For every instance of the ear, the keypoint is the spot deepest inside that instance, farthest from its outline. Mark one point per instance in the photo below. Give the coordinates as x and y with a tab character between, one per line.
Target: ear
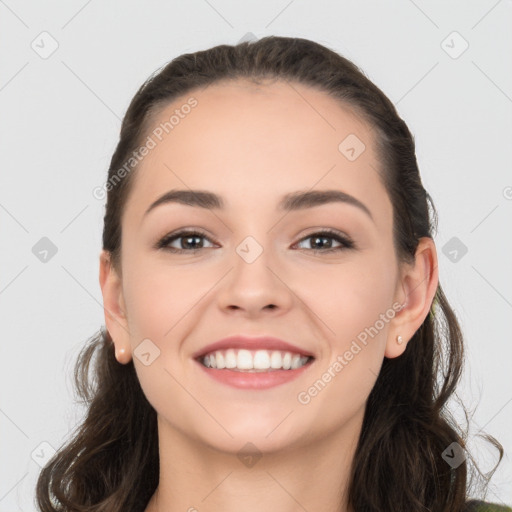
114	308
415	291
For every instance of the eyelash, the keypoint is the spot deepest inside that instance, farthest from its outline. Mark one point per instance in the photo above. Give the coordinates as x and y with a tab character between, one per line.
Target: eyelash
346	242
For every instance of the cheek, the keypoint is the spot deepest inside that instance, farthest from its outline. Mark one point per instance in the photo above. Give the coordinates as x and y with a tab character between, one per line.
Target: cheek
355	309
159	297
349	297
161	301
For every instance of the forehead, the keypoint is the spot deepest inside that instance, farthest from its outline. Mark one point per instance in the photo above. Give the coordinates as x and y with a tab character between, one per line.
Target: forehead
253	142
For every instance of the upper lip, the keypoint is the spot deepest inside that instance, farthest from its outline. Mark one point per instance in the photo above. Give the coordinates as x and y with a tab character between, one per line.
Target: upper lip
251	343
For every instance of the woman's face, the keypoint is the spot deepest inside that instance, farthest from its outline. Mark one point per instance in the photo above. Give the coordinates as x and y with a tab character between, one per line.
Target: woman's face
253	271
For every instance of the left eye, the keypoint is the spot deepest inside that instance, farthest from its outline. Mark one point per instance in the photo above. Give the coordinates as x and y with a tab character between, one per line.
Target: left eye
191	241
345	242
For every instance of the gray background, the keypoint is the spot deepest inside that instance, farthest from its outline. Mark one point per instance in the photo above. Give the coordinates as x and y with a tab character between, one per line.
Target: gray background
59	126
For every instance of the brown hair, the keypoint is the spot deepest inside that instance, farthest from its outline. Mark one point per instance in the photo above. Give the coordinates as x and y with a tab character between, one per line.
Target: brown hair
111	461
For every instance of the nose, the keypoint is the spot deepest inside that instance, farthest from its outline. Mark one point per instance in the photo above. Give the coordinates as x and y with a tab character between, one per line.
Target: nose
253	287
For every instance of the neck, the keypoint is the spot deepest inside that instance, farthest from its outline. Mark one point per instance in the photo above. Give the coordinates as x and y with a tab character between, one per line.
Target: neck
196	477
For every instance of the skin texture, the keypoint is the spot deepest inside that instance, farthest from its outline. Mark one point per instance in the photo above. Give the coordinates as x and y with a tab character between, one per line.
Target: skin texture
251	145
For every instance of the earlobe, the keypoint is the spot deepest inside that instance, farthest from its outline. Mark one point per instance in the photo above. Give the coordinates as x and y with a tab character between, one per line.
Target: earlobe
121	355
114	308
419	283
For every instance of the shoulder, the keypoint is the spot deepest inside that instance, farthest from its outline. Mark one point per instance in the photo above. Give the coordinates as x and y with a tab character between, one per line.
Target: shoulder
485	506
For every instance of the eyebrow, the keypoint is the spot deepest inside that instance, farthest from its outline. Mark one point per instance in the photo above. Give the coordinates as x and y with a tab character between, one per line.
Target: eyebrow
290	202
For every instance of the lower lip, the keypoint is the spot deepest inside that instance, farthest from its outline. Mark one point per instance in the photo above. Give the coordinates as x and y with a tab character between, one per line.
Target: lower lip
254	380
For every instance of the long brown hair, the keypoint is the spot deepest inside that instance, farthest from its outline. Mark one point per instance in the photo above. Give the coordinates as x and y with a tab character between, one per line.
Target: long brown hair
111	462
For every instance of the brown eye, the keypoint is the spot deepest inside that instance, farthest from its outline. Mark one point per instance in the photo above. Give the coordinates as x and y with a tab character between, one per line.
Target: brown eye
192	241
188	241
319	245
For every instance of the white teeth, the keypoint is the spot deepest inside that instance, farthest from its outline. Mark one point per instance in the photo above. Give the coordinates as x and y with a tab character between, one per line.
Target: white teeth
219	360
295	362
244	360
261	360
276	360
254	361
230	358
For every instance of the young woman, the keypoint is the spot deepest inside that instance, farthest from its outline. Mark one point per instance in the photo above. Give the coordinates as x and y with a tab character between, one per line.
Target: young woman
277	338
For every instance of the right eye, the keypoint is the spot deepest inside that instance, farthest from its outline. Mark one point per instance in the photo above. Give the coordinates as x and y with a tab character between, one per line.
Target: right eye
188	238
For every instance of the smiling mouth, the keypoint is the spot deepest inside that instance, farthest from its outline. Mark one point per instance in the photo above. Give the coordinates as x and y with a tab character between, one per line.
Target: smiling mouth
254	361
